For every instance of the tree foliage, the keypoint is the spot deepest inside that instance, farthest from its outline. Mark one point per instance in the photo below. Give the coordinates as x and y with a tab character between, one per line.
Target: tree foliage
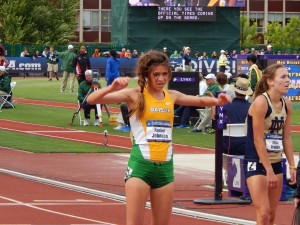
38	21
287	37
248	35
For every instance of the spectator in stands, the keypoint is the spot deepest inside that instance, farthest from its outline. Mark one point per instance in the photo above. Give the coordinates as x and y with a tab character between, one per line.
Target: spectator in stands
269	50
52	60
122	54
86	87
262	51
112	67
37	54
196	54
45	52
187	59
128	54
236	112
135	54
214	55
212	88
81	64
5	80
204	56
255	73
165	50
233	55
227	54
175	55
96	53
67	68
25	53
222	61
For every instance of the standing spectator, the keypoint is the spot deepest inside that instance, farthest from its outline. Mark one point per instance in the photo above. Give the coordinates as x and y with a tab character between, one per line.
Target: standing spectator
255	73
222	61
204	56
52	60
67	68
85	88
187	60
269	50
112	67
122	54
96	53
165	50
81	64
150	169
45	52
135	54
268	137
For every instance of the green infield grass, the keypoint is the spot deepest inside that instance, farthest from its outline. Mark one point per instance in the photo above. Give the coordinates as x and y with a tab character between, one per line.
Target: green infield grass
42	89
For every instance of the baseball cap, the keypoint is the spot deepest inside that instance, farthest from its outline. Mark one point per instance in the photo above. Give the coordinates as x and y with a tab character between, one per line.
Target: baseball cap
222	51
165	47
70	47
269	46
228	75
210	76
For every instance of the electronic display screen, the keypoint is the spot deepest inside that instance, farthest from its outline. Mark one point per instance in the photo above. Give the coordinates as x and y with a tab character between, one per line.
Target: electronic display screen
191	3
183	13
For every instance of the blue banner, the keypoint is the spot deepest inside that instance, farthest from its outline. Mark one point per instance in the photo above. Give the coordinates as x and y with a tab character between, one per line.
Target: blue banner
291	62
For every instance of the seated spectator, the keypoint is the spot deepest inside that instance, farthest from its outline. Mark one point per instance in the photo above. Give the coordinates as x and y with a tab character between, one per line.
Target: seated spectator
212	88
185	111
37	54
96	53
236	113
85	88
5	80
25	53
128	54
135	54
175	55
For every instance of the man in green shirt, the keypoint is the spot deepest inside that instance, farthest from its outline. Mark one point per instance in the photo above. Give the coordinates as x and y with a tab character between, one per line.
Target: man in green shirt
212	88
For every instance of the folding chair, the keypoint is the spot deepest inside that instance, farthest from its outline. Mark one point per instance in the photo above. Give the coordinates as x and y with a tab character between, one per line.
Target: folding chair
201	115
4	98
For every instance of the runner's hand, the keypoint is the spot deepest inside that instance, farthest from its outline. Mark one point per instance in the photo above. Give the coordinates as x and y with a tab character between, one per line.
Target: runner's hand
223	99
120	83
272	179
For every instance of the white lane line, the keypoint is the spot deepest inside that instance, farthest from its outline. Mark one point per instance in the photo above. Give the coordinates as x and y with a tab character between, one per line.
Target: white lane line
54	212
75	200
63	204
57	131
177	211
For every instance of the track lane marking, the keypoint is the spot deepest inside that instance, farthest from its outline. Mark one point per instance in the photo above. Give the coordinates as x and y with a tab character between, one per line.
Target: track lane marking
54	212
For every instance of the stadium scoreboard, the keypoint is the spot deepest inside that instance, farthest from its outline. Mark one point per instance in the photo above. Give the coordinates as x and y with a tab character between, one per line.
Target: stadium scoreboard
185	13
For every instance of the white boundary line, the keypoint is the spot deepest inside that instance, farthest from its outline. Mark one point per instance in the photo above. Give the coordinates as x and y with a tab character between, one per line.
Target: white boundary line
119	198
54	212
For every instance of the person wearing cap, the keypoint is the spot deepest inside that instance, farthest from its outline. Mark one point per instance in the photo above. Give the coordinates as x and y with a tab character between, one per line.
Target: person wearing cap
68	57
187	59
165	50
212	88
85	88
5	80
236	112
255	73
269	50
222	61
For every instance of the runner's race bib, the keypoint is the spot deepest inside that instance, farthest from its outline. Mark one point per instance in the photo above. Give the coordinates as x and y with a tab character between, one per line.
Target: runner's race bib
274	142
158	131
